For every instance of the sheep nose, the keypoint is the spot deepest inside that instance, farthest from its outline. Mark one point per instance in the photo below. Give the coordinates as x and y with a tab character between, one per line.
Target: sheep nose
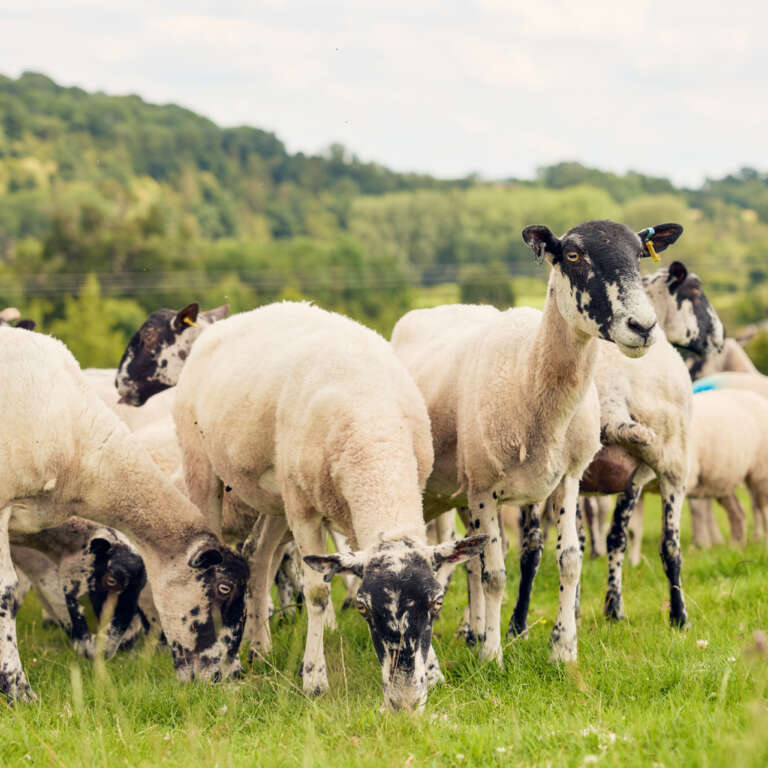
639	329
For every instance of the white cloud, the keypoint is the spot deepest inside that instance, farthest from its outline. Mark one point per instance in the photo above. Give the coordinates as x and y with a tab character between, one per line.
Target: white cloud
498	86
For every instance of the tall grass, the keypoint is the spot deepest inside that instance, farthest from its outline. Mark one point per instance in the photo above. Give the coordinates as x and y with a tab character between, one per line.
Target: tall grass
641	693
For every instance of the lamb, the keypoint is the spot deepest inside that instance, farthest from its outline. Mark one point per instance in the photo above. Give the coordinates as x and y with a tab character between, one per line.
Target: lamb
320	422
64	453
514	409
80	558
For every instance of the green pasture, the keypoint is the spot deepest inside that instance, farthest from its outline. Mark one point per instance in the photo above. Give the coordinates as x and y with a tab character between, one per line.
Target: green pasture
641	693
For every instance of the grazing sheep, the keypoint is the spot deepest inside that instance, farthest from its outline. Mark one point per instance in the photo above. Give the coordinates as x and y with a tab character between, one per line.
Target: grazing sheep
304	412
514	410
80	558
645	414
64	453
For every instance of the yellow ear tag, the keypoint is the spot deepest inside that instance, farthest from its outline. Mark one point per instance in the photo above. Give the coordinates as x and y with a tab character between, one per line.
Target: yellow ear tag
655	256
195	325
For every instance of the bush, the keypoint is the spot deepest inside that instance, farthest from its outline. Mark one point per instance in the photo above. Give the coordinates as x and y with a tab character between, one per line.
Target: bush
486	285
757	349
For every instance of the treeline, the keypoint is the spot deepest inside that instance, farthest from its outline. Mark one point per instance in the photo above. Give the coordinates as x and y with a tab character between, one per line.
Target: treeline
161	206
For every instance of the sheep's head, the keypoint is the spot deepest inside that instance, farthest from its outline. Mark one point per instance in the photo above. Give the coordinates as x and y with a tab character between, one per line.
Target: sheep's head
684	311
400	598
107	568
115	583
200	598
596	280
155	355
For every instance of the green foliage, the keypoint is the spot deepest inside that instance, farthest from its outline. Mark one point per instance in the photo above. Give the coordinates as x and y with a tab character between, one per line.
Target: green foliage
165	207
757	349
95	329
486	285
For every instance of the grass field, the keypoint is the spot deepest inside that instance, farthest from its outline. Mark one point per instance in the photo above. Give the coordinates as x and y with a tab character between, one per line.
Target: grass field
641	693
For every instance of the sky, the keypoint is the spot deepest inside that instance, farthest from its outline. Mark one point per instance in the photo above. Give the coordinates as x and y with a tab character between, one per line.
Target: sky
495	87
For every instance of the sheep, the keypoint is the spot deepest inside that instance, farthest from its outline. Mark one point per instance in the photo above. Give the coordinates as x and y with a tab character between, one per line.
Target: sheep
514	409
80	558
64	453
645	414
102	381
11	316
307	414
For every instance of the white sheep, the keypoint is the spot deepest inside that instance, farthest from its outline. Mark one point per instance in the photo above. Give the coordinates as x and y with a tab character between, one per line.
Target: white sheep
514	409
64	453
293	409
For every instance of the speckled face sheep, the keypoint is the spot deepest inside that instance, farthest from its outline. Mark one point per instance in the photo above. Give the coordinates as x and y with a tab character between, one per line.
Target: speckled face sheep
328	426
155	355
64	453
87	559
513	406
684	312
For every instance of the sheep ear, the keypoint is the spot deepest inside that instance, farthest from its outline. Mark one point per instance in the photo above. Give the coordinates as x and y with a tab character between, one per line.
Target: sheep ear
216	314
661	236
205	558
339	562
458	551
676	275
185	317
99	546
542	242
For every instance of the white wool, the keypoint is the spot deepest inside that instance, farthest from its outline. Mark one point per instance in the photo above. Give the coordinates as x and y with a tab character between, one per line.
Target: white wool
55	428
102	381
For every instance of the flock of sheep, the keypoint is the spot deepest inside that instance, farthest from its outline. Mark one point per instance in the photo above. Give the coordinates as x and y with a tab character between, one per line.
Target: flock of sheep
273	428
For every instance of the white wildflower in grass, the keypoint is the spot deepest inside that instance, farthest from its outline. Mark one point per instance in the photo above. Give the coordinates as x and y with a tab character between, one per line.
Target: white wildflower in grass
702	643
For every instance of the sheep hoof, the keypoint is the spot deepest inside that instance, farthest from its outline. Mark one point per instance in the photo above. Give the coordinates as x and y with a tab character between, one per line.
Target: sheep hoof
564	652
614	609
489	655
636	434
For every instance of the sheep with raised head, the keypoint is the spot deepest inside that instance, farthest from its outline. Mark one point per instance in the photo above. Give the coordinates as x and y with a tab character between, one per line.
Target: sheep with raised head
64	453
514	409
303	412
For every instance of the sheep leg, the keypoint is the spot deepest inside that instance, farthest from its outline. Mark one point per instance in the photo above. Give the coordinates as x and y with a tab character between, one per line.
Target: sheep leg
473	626
565	501
736	518
444	529
309	533
267	536
672	495
636	532
288	591
530	557
617	540
13	681
758	513
581	533
701	511
483	511
589	512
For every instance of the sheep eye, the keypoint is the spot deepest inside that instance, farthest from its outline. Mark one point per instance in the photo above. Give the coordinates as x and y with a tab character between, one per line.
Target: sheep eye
110	580
362	609
224	589
573	256
436	605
